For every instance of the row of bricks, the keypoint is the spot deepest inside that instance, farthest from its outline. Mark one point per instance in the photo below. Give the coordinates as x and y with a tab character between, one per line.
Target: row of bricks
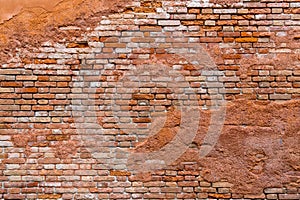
145	196
12	74
159	105
200	87
61	90
70	194
210	20
62	81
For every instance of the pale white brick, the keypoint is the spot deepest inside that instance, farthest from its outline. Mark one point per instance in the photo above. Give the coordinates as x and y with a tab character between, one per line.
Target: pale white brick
169	22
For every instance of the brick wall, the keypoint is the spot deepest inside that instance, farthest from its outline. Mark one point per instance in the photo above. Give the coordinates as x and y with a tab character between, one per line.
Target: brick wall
206	91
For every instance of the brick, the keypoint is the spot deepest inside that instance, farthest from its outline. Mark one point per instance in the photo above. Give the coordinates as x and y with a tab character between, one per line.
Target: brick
26	78
13	71
254	5
143	96
6	144
210	23
210	40
220	196
57	137
272	196
202	195
7	90
49	196
14	196
279	5
255	196
169	22
45	61
60	78
26	90
194	11
151	28
289	196
60	90
142	40
11	84
222	11
192	22
47	107
15	161
246	40
292	4
280	96
119	173
9	107
222	184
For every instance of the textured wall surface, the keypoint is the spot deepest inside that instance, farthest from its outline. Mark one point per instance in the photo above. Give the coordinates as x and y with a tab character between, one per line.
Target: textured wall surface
150	99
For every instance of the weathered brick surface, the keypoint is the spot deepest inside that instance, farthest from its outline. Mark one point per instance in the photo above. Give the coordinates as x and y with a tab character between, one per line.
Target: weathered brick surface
57	95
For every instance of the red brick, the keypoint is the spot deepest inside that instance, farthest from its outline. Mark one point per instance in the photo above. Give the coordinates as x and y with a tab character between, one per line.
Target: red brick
11	84
9	107
35	107
210	40
119	173
151	28
26	90
44	96
143	96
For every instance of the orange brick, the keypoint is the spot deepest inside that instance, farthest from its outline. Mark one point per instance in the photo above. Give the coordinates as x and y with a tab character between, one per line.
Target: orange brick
119	173
232	56
220	196
246	40
45	61
141	120
192	22
57	137
43	78
49	196
78	45
194	11
11	84
42	107
228	40
143	96
227	22
210	40
109	39
144	10
26	90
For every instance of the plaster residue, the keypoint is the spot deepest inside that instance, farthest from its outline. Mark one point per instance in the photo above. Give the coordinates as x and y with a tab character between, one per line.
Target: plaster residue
258	147
30	22
9	9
